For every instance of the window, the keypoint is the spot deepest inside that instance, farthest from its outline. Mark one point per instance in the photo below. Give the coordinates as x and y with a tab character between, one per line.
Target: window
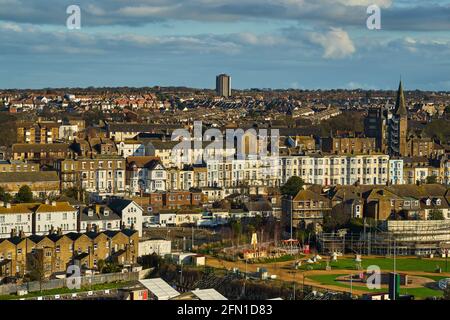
65	216
19	218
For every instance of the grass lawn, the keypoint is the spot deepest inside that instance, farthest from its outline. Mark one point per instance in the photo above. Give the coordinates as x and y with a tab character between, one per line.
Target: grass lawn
419	293
402	264
95	287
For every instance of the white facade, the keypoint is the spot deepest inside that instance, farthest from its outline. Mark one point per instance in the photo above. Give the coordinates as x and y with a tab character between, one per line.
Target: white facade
132	216
131	149
167	219
322	170
338	170
160	247
55	215
68	132
156	179
15	217
396	171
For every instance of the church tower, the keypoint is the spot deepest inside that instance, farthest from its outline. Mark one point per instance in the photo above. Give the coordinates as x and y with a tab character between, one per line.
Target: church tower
398	126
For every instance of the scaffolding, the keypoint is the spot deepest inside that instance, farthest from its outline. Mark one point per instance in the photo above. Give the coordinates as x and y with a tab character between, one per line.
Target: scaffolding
411	237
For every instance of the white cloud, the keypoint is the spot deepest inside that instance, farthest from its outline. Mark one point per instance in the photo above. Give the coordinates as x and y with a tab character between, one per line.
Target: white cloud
336	43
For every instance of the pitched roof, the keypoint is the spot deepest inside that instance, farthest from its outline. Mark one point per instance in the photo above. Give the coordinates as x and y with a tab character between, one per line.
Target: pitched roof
261	205
117	205
142	161
15	208
84	215
39	147
58	207
40	176
305	195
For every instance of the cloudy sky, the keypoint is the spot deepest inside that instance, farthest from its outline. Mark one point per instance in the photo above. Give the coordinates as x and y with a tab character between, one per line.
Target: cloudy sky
262	43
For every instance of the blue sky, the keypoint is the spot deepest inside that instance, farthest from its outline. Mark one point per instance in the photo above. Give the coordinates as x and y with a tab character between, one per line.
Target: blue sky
304	44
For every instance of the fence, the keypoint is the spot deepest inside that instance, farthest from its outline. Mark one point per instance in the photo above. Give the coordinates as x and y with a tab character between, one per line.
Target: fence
62	283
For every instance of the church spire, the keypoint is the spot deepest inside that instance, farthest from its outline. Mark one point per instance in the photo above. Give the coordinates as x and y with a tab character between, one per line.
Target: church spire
400	107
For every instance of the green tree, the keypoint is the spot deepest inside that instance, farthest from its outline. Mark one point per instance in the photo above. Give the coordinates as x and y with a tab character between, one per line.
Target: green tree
236	227
24	194
101	265
436	215
111	267
438	129
431	179
292	186
4	196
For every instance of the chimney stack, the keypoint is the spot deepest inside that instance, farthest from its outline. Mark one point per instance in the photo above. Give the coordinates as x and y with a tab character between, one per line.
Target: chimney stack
22	234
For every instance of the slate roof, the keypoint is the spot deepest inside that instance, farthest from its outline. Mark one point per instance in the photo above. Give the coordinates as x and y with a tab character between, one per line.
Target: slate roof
19	177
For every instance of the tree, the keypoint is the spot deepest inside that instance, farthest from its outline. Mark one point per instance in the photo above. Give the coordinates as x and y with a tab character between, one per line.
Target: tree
438	129
101	265
337	219
236	227
431	179
36	269
4	196
436	215
8	129
24	194
111	267
292	186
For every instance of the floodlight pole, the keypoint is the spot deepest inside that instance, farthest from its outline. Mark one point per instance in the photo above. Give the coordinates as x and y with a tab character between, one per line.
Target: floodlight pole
292	219
351	286
395	274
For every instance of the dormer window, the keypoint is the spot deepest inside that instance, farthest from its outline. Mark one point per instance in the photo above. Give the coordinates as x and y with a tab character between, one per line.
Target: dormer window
438	202
428	202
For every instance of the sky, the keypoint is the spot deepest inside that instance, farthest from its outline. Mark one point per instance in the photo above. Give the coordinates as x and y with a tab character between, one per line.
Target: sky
304	44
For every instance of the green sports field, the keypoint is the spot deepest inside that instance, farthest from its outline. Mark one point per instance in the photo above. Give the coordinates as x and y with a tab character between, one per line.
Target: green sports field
402	264
419	293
